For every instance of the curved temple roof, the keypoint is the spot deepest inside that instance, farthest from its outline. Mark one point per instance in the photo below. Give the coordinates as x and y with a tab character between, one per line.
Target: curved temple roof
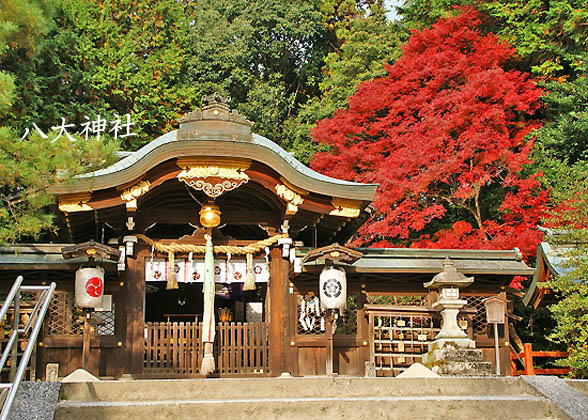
214	148
217	141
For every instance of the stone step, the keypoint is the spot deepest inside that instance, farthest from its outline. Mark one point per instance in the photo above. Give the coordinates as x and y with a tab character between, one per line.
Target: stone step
580	385
424	407
308	387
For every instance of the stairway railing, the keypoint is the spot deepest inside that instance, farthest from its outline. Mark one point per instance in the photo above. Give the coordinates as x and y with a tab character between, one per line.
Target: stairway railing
33	324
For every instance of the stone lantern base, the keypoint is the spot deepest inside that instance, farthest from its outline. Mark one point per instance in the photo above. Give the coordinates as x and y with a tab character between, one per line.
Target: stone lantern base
456	357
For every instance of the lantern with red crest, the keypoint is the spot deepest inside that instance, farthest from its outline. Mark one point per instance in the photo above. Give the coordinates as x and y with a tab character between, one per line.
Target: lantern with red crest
89	284
89	287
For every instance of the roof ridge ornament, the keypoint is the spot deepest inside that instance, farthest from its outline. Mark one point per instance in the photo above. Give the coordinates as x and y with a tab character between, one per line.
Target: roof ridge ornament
215	100
214	107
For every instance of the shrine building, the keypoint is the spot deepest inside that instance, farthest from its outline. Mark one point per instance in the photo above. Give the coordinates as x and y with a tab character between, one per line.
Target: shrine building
214	194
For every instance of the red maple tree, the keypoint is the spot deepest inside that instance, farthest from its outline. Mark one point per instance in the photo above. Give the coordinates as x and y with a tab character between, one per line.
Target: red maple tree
444	136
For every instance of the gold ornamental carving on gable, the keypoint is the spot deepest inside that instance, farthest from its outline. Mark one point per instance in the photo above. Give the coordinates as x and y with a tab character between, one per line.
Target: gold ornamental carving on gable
345	208
291	197
74	203
136	191
214	177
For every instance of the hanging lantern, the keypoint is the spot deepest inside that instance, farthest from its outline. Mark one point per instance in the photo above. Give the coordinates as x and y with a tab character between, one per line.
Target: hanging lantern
210	215
333	288
89	287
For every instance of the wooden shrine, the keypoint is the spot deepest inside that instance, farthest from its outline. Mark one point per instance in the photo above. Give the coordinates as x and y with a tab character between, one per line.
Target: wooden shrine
213	214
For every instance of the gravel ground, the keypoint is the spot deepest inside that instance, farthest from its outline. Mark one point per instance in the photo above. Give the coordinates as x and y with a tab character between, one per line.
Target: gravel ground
35	401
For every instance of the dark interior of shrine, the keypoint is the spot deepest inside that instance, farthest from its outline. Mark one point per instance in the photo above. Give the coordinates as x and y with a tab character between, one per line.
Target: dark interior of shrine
184	304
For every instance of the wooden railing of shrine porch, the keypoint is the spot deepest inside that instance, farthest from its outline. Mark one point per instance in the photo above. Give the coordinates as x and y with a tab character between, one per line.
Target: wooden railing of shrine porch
174	348
526	358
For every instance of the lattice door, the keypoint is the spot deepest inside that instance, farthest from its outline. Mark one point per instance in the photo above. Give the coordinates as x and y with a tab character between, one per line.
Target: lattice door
67	319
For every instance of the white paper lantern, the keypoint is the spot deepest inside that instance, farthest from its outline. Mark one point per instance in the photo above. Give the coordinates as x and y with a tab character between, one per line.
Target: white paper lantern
89	287
333	288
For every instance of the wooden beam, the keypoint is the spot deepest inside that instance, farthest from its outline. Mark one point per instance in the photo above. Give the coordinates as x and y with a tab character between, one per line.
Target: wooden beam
185	216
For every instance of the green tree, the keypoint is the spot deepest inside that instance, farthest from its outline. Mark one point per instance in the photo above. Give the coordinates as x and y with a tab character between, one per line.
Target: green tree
107	59
155	60
29	167
562	143
571	310
364	42
266	55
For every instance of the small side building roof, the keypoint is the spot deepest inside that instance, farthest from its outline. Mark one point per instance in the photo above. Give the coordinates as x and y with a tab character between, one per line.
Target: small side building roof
42	257
551	261
417	264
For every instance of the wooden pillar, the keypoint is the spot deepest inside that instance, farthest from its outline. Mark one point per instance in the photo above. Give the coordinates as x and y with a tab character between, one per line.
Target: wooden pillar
135	297
363	327
279	331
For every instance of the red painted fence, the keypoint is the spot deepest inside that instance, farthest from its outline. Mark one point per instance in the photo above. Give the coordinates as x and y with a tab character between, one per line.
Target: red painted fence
527	356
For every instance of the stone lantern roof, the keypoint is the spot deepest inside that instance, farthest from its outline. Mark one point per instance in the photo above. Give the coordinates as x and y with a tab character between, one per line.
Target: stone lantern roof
449	277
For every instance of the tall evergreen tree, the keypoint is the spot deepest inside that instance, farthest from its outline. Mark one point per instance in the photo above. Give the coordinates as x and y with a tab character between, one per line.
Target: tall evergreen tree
29	166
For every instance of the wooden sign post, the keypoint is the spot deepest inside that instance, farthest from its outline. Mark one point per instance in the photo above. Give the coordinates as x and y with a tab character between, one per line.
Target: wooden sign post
86	339
495	314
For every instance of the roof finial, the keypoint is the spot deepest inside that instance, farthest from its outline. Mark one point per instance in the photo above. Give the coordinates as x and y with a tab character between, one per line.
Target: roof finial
215	101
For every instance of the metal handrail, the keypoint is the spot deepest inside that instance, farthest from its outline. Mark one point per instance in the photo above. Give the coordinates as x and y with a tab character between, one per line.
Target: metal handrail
34	322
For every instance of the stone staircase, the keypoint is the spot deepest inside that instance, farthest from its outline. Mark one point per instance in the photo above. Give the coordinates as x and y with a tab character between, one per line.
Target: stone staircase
305	398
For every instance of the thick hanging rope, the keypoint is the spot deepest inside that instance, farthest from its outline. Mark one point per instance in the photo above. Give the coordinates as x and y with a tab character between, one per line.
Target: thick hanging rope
220	249
172	281
249	279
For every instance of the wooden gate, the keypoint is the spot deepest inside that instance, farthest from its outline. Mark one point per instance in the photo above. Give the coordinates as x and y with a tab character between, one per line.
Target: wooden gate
174	348
242	347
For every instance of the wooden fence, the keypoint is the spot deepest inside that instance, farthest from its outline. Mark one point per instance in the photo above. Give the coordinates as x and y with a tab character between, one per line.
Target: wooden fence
172	347
242	347
526	358
175	348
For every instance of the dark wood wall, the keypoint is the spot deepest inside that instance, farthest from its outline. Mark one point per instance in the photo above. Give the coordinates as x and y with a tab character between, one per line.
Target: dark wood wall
291	352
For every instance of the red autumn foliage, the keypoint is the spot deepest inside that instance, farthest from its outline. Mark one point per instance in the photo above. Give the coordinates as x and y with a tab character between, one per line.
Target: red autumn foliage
443	134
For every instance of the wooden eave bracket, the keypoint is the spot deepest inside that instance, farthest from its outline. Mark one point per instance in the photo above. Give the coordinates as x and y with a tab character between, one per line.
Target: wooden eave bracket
72	203
334	252
345	208
90	249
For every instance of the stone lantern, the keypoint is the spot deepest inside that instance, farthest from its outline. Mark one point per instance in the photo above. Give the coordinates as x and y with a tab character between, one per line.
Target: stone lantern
448	282
452	352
